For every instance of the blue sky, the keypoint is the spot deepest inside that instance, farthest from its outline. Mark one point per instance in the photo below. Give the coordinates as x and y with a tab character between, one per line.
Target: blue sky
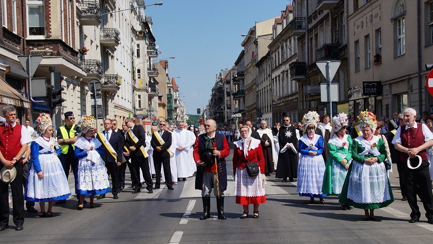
205	37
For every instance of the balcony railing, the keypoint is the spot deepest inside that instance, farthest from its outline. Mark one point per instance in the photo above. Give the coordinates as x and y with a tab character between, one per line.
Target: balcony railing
53	48
328	51
11	41
239	93
153	90
110	37
298	26
112	82
298	70
326	4
152	72
89	12
93	68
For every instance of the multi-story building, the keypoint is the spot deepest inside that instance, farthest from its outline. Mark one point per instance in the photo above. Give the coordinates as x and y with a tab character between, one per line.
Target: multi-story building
264	89
216	103
229	88
238	91
386	64
283	54
163	80
322	35
255	47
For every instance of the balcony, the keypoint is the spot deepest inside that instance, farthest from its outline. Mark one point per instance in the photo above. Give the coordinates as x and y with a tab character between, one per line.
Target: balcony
11	41
239	94
298	26
228	93
328	51
89	13
152	51
110	37
326	4
111	82
152	72
93	69
152	90
298	70
111	4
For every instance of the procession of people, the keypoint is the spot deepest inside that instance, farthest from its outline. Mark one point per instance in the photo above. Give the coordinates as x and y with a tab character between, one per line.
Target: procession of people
319	156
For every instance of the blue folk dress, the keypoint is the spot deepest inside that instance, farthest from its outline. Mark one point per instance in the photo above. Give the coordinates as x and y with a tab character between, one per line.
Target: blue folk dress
311	169
54	184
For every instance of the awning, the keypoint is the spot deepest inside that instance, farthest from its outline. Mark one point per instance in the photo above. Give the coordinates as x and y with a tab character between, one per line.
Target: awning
8	95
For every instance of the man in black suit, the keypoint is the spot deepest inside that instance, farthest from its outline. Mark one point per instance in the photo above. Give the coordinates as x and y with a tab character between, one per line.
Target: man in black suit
161	154
254	134
112	156
135	141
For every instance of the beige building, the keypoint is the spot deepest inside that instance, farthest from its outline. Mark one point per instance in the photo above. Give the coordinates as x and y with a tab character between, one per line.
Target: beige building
255	47
387	48
162	80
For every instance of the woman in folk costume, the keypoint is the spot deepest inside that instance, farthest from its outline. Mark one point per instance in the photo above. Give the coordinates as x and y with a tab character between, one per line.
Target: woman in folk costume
47	180
311	166
367	185
248	189
340	157
92	174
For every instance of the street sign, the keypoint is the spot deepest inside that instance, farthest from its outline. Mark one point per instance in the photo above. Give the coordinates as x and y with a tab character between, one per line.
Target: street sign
95	85
333	67
324	92
34	63
429	84
372	88
39	87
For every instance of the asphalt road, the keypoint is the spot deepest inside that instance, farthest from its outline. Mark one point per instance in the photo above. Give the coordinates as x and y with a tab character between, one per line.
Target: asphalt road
172	217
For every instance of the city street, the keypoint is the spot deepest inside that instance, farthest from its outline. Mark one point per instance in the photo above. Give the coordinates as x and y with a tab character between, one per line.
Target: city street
172	217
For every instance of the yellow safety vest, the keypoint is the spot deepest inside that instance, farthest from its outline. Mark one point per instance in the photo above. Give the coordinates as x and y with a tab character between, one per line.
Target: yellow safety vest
65	148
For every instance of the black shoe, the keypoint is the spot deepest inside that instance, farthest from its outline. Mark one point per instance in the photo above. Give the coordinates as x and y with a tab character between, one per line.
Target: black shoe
170	188
136	190
430	221
244	215
284	180
321	201
149	189
80	207
2	228
184	179
19	227
255	214
115	196
348	207
102	196
413	220
61	202
311	201
32	209
220	208
404	198
121	188
291	180
157	187
206	208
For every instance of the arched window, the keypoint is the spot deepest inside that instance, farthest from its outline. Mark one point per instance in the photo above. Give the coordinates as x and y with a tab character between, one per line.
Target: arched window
398	17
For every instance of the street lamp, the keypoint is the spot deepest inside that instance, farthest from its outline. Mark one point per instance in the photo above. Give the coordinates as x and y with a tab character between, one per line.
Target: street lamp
140	4
262	36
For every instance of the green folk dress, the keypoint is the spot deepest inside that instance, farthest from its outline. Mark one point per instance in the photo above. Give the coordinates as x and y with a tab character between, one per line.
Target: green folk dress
335	173
367	186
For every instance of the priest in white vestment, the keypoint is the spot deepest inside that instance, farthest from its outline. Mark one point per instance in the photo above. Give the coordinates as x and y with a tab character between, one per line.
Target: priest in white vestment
185	140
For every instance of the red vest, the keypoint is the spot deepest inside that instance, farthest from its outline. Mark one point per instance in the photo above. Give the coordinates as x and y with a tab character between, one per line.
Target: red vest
10	144
412	138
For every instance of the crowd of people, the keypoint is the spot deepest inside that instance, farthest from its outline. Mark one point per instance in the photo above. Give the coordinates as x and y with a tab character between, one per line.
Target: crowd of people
326	156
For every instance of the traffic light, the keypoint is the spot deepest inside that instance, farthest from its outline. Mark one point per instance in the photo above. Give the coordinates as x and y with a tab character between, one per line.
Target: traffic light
56	92
198	111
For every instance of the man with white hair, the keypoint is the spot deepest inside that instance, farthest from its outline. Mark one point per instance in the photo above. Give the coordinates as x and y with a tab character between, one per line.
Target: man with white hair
412	140
184	143
267	146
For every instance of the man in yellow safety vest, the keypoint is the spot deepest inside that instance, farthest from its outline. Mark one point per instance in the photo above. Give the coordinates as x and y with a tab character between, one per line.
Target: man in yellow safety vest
66	137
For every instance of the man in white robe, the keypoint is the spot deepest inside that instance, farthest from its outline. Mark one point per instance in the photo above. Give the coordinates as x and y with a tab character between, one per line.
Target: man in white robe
184	147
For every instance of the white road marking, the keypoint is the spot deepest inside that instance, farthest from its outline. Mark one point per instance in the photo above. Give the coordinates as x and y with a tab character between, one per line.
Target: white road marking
186	215
155	194
176	237
395	212
189	190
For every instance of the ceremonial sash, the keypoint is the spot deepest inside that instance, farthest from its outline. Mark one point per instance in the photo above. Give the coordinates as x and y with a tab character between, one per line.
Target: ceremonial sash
160	140
108	146
393	131
358	130
393	123
135	139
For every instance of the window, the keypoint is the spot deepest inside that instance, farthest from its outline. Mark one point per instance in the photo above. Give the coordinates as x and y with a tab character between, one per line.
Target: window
139	101
357	57
402	102
14	16
139	73
138	50
36	18
429	31
4	13
379	41
367	51
400	37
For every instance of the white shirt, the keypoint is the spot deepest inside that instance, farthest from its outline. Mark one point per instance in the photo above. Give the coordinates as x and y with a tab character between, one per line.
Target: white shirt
109	134
428	135
25	135
31	131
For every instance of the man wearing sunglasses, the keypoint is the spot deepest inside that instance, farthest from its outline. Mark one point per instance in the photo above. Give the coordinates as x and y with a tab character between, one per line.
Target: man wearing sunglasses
161	142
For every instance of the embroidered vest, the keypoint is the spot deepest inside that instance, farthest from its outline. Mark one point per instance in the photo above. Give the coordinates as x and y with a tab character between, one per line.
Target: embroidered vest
10	144
412	138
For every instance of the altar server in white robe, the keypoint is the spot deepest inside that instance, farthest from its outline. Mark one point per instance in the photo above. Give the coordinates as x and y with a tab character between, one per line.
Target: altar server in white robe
183	151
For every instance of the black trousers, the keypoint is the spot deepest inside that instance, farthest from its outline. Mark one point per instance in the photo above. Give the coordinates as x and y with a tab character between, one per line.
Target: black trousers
69	161
114	171
17	197
418	183
402	174
26	169
141	163
165	162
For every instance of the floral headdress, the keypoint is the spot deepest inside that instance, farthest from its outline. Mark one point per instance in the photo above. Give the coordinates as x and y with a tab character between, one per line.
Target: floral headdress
339	121
310	118
87	123
43	122
367	119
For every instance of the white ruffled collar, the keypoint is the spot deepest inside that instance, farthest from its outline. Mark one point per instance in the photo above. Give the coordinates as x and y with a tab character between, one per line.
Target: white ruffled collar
251	144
